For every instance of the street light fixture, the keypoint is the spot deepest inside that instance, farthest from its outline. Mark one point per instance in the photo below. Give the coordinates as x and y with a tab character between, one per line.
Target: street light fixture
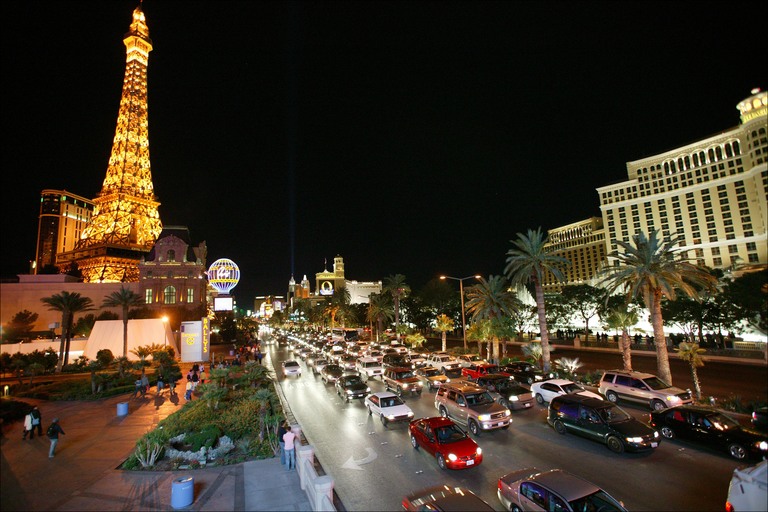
461	292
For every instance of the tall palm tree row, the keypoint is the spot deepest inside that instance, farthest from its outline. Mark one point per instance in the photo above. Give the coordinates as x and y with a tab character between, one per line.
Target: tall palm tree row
396	286
623	318
527	263
125	299
655	269
67	304
491	300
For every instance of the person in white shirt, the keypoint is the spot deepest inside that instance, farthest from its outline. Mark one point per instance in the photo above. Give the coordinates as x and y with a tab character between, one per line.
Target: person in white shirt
290	452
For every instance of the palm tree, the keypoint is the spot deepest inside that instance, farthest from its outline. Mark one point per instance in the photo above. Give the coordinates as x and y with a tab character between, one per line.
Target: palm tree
480	331
443	324
68	304
623	319
527	263
491	300
397	288
655	270
691	353
143	352
124	298
379	311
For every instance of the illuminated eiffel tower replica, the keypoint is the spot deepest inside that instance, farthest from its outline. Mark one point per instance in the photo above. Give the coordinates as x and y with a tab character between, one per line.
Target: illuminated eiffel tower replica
125	222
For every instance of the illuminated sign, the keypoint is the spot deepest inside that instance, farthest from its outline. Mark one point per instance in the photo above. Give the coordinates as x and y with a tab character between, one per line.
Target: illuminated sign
223	304
195	341
223	275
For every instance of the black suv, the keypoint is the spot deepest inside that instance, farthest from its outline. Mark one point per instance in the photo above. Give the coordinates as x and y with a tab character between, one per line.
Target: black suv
395	360
524	371
601	421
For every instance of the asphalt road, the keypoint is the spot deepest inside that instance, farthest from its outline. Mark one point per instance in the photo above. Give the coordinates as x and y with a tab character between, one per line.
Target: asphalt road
374	467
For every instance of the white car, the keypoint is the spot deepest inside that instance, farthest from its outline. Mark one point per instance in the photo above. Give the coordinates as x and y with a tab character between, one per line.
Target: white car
369	367
319	364
467	359
291	368
388	407
748	489
545	391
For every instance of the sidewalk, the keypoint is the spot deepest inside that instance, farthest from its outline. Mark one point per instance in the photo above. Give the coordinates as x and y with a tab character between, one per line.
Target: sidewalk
83	475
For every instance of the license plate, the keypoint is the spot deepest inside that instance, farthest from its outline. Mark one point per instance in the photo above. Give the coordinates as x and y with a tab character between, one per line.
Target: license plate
654	445
527	405
470	462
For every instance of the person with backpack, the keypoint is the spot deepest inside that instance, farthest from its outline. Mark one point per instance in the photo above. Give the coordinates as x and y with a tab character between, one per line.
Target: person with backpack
53	435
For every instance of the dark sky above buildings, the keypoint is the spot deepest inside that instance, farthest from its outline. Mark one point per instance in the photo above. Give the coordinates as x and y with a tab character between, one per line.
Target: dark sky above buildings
408	137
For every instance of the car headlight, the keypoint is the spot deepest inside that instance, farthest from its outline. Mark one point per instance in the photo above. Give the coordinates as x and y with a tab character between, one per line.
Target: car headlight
390	416
367	390
507	413
655	434
418	384
349	391
673	398
410	415
479	451
634	439
452	457
484	417
763	445
405	386
514	398
447	380
538	377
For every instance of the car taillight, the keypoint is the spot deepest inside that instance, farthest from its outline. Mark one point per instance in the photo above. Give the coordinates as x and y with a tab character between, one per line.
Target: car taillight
729	507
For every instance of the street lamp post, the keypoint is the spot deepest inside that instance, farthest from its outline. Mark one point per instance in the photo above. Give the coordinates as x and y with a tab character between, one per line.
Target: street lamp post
461	292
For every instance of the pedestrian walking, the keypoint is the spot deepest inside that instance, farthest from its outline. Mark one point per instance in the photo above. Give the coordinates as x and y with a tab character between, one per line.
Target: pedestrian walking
290	453
260	355
202	374
37	421
160	384
172	384
144	384
28	429
190	388
280	433
137	389
53	435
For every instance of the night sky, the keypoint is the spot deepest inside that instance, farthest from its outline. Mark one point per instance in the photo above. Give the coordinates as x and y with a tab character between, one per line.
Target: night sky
409	137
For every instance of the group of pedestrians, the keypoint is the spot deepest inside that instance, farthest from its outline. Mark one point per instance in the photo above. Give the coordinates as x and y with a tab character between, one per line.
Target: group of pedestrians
195	376
33	421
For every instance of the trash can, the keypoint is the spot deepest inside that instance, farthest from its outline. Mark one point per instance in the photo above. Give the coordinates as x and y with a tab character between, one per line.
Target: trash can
231	352
182	492
122	408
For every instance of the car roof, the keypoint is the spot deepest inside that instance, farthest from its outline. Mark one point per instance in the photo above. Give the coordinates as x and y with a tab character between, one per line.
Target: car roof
637	375
560	382
436	421
584	400
383	394
495	376
447	499
567	485
400	369
463	387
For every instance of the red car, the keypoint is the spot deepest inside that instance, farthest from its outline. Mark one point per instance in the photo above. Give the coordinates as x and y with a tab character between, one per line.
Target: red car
450	445
477	370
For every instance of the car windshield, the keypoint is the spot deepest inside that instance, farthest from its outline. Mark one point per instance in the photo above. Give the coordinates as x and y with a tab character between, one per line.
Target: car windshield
404	375
572	388
449	434
431	373
598	501
479	398
656	383
353	380
613	414
291	363
333	368
720	421
391	401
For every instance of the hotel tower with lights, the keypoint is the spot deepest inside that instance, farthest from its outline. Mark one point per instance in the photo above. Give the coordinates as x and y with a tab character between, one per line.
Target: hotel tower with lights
714	192
125	223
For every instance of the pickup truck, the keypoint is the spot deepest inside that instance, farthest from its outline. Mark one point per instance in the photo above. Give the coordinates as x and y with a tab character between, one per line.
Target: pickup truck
402	380
369	367
444	362
476	370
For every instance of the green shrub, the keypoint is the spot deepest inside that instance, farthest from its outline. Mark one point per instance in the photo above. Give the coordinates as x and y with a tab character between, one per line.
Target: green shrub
240	419
208	436
13	410
132	463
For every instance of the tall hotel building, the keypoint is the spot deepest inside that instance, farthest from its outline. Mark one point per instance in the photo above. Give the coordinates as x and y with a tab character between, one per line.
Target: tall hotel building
583	244
63	216
714	192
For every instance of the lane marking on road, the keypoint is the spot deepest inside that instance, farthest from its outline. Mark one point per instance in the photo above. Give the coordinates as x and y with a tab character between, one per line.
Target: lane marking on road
355	464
